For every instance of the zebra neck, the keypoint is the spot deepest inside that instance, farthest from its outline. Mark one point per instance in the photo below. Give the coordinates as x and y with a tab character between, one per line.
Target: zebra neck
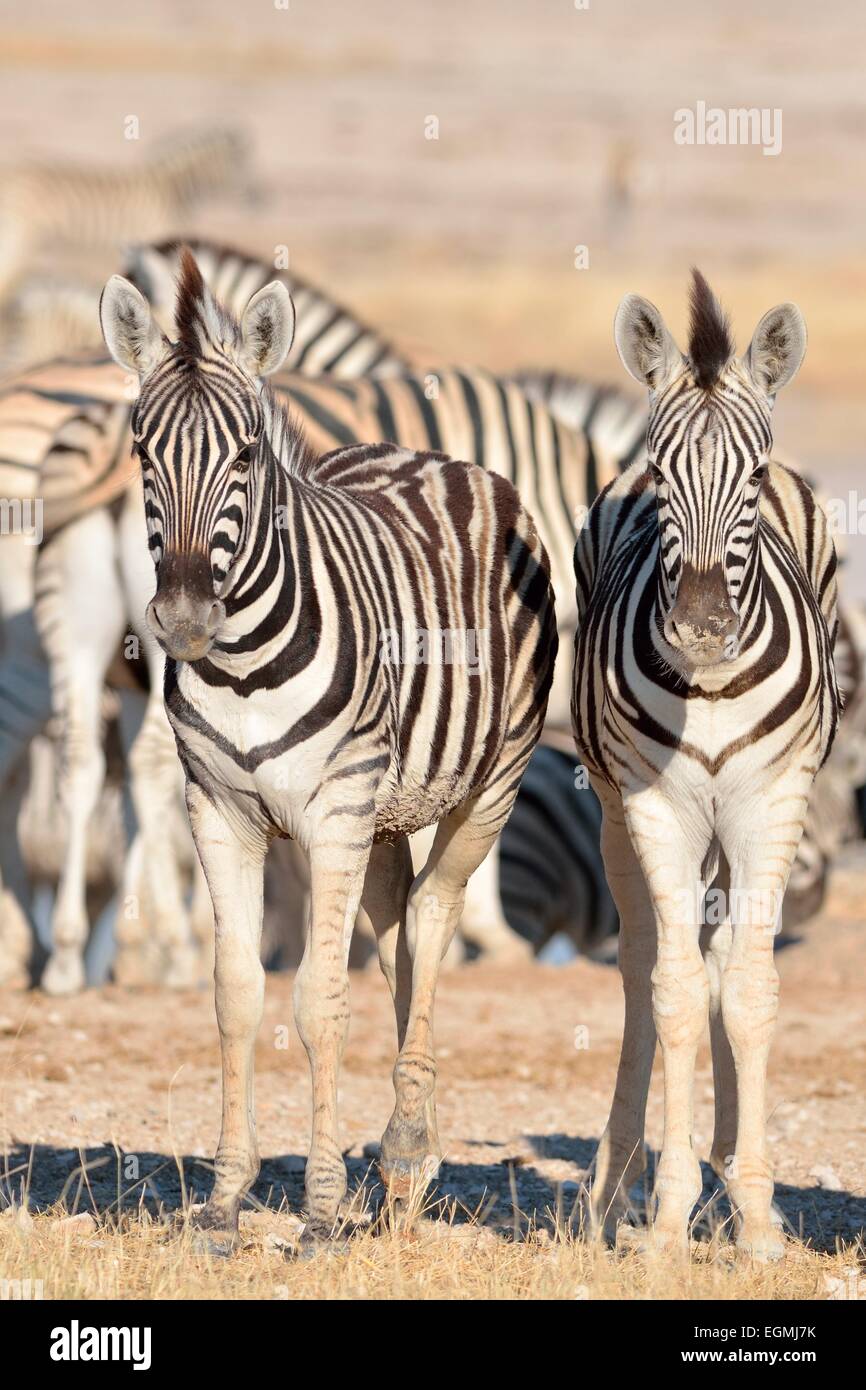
272	610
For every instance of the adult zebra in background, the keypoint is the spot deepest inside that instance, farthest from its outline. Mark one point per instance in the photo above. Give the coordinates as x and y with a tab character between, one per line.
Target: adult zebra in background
47	206
705	701
283	579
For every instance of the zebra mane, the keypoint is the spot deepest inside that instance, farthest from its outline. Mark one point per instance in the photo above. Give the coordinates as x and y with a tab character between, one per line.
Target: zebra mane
289	446
201	322
711	345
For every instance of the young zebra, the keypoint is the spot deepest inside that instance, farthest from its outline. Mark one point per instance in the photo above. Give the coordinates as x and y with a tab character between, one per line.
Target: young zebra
282	581
705	701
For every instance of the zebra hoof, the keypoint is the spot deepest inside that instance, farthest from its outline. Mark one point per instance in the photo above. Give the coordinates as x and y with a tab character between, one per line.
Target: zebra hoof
64	973
408	1177
652	1240
763	1247
319	1238
212	1230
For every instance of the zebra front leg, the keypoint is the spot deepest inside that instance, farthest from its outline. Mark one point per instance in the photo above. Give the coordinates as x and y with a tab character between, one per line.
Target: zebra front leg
234	868
716	942
621	1157
671	854
716	939
21	954
410	1144
760	865
338	862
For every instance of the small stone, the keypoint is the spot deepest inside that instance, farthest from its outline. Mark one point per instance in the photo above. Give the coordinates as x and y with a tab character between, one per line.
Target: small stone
82	1223
825	1177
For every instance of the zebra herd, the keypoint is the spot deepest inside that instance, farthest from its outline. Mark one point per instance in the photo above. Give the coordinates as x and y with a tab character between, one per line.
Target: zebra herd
306	571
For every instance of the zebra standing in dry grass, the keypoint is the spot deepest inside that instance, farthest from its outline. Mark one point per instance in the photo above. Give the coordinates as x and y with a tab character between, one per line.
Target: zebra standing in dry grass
705	701
280	576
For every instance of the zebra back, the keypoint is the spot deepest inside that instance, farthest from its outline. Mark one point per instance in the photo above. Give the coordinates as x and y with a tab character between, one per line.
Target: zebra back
329	338
614	423
64	425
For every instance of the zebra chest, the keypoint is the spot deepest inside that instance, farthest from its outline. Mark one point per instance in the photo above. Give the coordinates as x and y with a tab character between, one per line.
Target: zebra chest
252	753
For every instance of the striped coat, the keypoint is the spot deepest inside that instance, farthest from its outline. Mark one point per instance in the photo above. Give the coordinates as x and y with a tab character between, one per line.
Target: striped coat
705	701
302	706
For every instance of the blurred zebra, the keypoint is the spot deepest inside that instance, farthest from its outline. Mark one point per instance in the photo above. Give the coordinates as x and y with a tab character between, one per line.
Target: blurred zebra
52	205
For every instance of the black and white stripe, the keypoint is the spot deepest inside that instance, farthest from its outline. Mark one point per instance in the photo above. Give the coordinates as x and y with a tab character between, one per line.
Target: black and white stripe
282	579
705	701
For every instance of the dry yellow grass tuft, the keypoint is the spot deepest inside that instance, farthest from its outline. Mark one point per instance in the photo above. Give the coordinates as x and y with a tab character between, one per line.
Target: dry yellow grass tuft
141	1259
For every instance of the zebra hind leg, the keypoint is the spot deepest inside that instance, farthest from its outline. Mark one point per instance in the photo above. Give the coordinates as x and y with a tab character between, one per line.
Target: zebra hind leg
621	1160
338	862
235	875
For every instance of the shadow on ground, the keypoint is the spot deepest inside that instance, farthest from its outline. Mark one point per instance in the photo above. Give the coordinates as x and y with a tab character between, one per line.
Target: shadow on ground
506	1196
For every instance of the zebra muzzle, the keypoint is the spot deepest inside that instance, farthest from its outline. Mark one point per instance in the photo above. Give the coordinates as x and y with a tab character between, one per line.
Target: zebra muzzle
185	627
703	620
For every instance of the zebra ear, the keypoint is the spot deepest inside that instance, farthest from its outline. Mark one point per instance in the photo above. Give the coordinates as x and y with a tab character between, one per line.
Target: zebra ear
267	330
646	348
132	337
777	349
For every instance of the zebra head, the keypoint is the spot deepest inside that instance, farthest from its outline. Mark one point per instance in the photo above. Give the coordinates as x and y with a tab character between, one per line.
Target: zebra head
197	425
708	444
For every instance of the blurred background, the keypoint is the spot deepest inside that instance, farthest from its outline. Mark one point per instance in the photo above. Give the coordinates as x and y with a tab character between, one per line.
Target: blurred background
553	130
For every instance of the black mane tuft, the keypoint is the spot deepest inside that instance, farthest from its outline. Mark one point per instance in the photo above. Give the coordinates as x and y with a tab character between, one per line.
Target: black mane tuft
190	303
711	346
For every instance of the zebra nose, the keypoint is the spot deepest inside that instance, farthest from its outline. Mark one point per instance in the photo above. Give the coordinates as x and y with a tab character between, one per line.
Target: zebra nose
703	612
185	627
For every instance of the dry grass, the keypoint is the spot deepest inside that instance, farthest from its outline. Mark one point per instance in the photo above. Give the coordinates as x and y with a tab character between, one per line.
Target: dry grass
141	1259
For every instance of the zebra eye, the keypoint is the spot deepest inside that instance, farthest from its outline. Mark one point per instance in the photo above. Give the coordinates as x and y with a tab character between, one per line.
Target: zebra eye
245	455
658	475
758	473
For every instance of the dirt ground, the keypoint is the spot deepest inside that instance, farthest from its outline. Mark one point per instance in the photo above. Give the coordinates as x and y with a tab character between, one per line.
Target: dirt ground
128	1084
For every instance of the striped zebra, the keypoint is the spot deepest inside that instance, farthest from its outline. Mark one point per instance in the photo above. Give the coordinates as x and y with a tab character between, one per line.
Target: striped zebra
301	707
93	509
65	452
104	552
705	701
46	206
